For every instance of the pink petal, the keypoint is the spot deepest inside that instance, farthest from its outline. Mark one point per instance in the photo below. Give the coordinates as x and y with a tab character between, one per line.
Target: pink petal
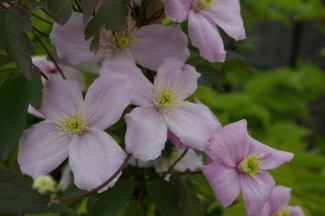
177	10
94	157
205	36
196	101
279	198
65	178
266	210
142	94
175	72
107	98
226	14
230	144
191	161
272	157
34	112
223	180
176	141
138	2
157	42
146	133
42	149
192	123
70	43
71	73
296	211
256	191
58	96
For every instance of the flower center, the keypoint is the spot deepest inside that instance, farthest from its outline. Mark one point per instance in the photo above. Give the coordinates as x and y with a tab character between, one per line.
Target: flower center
199	5
121	41
283	212
251	164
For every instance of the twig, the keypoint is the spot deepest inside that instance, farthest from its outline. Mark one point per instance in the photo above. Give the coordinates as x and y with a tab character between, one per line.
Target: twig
38	31
172	166
40	18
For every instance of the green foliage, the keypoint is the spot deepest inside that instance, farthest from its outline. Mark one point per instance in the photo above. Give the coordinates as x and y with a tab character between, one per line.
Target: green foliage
61	10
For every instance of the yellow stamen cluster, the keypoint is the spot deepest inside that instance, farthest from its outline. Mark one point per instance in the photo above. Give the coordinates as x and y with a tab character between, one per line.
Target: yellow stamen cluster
120	42
44	184
199	5
283	212
250	165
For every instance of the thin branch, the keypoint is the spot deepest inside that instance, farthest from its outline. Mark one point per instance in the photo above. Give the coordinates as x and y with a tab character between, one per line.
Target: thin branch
78	5
100	186
42	74
183	173
40	18
172	166
9	69
40	32
74	8
49	54
153	17
47	13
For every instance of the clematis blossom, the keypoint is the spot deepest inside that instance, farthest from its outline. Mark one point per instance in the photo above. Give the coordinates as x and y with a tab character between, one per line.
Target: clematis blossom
161	107
239	164
74	128
277	203
147	45
202	16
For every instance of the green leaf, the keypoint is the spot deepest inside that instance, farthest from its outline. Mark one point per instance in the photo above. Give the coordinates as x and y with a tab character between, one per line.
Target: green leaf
113	15
14	23
135	210
61	10
188	200
112	200
18	196
210	77
164	196
4	60
88	7
33	4
36	89
93	30
15	96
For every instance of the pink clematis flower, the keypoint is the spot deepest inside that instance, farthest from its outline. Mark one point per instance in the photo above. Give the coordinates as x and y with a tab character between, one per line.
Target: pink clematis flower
162	107
147	46
277	203
202	16
239	163
74	129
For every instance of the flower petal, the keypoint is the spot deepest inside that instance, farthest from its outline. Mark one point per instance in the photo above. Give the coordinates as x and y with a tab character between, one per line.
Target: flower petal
146	133
176	141
107	98
192	123
190	161
223	180
177	10
296	211
142	94
256	191
272	157
149	51
94	157
230	144
42	149
70	43
175	72
226	14
59	96
205	36
279	198
34	112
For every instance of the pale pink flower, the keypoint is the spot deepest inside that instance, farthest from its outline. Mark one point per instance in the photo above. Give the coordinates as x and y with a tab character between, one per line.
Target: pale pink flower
162	107
239	163
74	129
202	16
147	45
277	203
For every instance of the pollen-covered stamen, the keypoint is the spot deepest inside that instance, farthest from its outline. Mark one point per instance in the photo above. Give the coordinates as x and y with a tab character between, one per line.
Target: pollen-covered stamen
120	41
198	5
250	165
283	212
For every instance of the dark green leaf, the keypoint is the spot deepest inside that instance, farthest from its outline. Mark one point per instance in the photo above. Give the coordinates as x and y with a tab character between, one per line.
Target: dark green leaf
14	23
4	59
167	151
61	10
91	29
36	89
164	196
88	7
135	210
112	200
33	4
18	196
188	200
210	77
113	15
239	64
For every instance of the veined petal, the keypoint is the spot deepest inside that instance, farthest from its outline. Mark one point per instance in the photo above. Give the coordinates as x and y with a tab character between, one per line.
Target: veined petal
256	191
42	149
197	101
178	10
60	96
146	133
142	94
272	157
226	14
279	198
230	144
70	43
192	123
94	157
205	36
174	72
149	51
107	98
223	180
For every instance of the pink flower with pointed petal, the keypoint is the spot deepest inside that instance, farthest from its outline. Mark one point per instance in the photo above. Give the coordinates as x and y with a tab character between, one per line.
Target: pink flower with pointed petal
74	129
202	16
162	107
277	203
239	163
147	46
